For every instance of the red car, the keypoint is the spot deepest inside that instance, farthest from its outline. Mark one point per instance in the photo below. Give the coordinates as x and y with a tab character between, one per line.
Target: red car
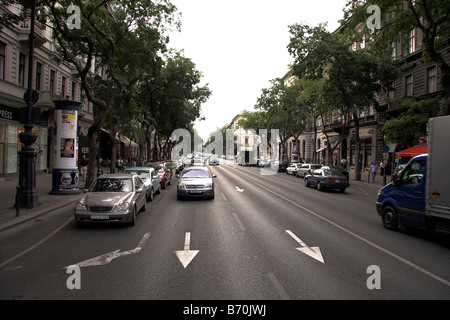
163	172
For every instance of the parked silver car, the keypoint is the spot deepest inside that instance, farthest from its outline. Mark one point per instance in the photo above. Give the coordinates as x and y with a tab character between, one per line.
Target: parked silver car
150	178
196	182
116	197
292	169
214	160
307	168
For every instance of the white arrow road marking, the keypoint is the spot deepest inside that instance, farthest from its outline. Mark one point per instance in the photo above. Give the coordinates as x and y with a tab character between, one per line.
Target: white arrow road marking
108	257
186	256
313	252
239	189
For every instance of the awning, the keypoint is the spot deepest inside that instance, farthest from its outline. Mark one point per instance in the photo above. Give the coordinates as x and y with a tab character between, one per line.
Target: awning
412	152
127	141
123	139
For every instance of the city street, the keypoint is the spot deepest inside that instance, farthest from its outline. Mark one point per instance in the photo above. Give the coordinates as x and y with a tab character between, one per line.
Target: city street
263	237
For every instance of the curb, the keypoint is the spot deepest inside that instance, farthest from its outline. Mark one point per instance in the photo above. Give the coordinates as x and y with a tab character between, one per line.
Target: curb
32	215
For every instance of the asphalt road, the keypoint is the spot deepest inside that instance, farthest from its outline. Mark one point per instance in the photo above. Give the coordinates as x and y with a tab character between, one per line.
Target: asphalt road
263	237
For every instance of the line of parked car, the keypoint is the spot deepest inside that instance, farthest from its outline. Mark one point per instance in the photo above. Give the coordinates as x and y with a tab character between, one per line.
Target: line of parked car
118	197
320	177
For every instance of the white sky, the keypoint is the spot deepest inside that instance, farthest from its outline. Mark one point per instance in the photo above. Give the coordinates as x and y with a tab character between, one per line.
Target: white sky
240	46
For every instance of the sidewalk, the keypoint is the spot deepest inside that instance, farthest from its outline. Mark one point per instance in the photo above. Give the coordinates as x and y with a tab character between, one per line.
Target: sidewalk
379	180
46	202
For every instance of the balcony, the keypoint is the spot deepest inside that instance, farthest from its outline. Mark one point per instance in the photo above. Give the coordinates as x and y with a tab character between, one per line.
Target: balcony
23	30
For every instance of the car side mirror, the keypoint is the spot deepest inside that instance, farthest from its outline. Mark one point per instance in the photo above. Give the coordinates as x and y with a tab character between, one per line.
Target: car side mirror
214	175
395	180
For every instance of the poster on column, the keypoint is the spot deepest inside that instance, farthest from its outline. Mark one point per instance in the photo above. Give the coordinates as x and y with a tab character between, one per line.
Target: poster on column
65	171
67	148
68	120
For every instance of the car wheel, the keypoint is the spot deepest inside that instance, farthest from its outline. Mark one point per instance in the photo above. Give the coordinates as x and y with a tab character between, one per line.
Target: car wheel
342	190
389	216
151	196
133	217
319	186
307	183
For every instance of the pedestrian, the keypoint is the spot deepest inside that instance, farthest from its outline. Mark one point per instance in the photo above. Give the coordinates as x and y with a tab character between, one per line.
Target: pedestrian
373	171
119	164
381	168
83	167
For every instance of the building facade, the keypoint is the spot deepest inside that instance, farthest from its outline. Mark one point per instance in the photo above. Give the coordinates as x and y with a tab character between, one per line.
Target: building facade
53	79
420	79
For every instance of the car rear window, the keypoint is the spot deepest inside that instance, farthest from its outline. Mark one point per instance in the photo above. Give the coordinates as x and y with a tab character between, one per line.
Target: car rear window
112	185
196	173
141	173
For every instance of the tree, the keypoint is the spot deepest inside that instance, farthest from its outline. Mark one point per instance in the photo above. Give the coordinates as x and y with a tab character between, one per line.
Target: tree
171	99
108	28
354	76
398	18
412	123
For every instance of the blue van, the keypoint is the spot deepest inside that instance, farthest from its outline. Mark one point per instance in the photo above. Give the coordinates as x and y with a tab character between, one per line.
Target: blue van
402	202
419	195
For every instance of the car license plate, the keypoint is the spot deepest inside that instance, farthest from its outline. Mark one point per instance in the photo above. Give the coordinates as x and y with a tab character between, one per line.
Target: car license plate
99	217
337	180
196	191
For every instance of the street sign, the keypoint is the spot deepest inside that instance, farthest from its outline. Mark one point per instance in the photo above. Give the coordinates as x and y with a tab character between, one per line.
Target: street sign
386	149
34	96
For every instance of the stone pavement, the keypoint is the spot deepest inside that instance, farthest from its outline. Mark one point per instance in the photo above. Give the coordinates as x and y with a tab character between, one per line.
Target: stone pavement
48	202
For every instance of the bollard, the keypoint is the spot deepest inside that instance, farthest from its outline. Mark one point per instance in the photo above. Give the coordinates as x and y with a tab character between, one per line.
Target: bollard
17	201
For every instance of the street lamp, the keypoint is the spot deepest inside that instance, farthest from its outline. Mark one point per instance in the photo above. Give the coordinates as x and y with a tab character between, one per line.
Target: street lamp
28	155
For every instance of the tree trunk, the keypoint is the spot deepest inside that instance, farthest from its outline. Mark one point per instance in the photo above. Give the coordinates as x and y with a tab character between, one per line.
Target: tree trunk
93	134
358	164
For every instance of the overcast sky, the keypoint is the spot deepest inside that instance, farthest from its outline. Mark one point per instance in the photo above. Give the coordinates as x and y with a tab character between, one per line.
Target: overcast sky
240	46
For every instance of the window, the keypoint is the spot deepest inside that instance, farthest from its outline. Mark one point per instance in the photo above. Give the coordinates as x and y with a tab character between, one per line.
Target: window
38	76
74	90
431	79
412	41
2	60
63	86
409	86
394	50
414	173
52	81
21	80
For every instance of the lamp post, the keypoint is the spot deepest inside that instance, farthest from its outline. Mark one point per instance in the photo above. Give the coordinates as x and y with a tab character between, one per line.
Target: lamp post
28	155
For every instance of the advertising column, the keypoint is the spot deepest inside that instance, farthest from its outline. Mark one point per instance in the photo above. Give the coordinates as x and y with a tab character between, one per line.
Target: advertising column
65	172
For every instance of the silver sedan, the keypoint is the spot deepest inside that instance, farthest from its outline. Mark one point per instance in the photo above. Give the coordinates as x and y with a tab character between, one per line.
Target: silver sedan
196	182
112	198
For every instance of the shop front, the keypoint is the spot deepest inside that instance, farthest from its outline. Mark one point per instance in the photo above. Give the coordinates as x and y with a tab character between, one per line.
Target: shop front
10	128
